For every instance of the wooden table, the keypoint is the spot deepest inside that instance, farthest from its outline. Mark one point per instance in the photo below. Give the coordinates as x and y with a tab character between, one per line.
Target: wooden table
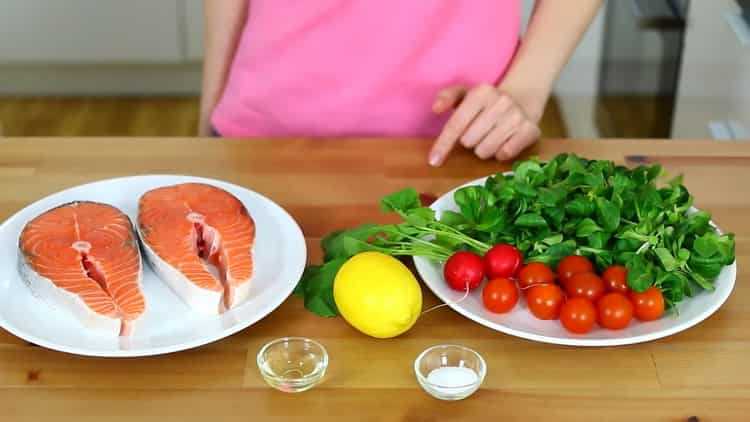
327	185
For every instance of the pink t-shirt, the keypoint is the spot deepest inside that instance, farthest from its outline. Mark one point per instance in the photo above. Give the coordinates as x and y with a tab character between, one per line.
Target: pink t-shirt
331	68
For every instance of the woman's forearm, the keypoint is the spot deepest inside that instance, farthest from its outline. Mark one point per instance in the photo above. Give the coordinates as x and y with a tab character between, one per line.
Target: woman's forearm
554	30
224	21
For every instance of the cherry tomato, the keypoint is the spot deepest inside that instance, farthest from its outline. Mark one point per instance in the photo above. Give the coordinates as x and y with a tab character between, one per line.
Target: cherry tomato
502	260
545	300
615	311
578	315
464	269
535	273
616	279
572	264
500	295
649	305
586	285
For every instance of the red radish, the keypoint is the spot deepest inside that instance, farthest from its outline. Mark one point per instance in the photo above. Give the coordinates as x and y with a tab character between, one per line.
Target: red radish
426	199
502	261
464	268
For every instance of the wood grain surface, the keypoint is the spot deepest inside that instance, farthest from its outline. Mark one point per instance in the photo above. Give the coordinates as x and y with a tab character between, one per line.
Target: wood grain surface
333	184
170	116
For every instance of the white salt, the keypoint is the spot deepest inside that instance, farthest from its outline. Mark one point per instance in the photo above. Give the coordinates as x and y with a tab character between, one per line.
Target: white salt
452	376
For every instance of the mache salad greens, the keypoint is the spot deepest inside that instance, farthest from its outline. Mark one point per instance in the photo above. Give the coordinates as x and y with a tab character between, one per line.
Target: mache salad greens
608	213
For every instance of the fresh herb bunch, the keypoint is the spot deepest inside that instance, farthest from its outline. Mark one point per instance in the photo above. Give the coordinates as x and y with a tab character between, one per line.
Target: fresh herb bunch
420	234
609	213
549	210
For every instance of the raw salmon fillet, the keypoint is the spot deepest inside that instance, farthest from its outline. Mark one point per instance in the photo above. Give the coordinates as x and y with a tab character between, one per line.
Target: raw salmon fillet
84	257
189	227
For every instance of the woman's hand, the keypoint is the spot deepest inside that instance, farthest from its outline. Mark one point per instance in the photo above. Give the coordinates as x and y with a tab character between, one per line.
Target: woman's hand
501	122
486	120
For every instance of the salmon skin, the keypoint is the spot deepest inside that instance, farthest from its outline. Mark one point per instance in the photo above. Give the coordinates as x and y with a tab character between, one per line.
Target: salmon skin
83	257
189	228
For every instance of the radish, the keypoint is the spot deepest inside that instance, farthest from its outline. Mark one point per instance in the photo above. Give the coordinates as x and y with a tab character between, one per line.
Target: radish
464	269
502	261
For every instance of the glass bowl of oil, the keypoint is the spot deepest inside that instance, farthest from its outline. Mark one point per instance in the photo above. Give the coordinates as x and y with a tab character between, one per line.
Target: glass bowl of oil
293	364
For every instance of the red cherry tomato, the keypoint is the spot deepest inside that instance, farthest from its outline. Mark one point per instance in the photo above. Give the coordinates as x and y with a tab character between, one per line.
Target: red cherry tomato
586	285
535	273
464	269
502	260
572	264
545	300
616	279
615	311
578	315
500	295
649	305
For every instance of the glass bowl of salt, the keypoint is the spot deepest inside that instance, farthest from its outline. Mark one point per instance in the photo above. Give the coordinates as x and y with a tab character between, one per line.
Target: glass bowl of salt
450	372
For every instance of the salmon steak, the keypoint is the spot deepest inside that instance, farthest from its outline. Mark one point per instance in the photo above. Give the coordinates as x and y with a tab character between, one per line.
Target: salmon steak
83	257
199	240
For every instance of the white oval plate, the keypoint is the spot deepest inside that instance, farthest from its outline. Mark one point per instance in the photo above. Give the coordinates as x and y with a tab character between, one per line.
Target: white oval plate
168	324
521	323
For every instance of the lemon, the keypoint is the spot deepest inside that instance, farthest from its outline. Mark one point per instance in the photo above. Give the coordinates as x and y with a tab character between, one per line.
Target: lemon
377	295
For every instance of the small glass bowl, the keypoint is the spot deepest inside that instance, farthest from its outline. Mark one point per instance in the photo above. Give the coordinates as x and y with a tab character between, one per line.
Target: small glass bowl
445	356
292	364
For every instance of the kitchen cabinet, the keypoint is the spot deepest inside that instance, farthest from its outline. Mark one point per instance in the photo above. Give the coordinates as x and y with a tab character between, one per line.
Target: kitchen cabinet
714	90
89	31
193	24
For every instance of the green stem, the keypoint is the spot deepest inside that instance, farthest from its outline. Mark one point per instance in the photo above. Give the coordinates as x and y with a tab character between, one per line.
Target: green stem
445	227
418	247
591	250
644	247
481	246
439	258
427	243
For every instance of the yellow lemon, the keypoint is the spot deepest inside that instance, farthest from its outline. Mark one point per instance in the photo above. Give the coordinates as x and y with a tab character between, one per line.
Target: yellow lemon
377	295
